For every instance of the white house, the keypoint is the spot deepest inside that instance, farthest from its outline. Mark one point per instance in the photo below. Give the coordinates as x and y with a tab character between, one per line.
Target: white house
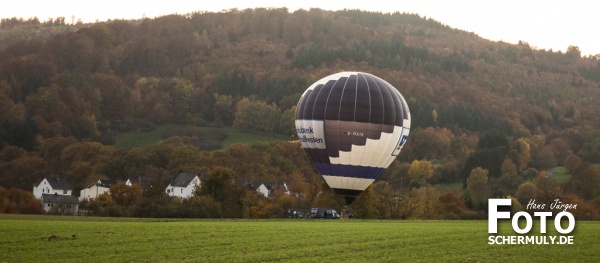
60	204
103	186
266	189
184	185
52	186
96	189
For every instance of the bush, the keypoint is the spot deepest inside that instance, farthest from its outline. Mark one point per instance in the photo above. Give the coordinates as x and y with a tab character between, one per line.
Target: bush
17	201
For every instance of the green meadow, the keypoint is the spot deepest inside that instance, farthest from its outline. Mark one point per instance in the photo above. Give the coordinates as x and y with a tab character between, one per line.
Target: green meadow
91	239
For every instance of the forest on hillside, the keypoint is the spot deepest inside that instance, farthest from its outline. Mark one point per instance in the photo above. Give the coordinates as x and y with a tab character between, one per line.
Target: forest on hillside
490	116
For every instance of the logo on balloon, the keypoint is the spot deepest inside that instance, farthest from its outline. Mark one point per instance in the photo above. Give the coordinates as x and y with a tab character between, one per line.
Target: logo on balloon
311	140
305	130
310	134
401	142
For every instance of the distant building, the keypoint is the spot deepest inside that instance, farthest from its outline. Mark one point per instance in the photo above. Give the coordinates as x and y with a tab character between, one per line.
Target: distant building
103	186
96	189
56	196
60	204
267	189
184	185
145	185
52	186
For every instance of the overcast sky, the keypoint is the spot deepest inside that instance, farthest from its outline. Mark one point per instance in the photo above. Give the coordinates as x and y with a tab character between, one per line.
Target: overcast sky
545	24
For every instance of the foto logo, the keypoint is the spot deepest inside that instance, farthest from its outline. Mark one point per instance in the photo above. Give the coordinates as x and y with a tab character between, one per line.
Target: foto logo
494	215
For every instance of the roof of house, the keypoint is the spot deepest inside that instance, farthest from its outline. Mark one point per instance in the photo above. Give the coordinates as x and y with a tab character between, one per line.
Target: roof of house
144	184
255	184
183	180
60	199
103	183
59	184
106	183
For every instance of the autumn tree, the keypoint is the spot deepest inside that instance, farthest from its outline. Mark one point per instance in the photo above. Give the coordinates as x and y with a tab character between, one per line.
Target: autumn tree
492	149
572	162
429	143
478	188
560	149
223	109
506	184
85	160
585	181
20	168
101	204
125	195
181	93
326	197
256	115
508	167
420	203
220	184
548	189
585	210
245	160
451	205
155	100
428	203
545	158
573	53
420	171
286	122
261	207
18	133
590	151
50	149
364	204
299	189
116	101
526	192
387	204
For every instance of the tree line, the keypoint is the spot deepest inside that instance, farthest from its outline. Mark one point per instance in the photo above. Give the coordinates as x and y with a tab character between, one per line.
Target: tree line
477	105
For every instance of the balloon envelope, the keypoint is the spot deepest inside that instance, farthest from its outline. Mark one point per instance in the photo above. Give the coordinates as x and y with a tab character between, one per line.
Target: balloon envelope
352	125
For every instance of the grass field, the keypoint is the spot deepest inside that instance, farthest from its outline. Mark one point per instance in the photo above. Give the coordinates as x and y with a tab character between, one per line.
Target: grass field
559	174
89	239
144	139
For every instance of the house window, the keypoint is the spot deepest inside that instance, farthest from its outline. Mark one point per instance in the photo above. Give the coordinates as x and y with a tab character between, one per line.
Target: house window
168	191
182	191
65	192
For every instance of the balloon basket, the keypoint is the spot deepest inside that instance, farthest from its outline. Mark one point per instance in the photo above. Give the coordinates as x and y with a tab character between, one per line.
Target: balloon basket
346	213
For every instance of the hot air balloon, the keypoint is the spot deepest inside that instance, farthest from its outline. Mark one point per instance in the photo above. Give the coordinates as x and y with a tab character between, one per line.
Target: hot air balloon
352	125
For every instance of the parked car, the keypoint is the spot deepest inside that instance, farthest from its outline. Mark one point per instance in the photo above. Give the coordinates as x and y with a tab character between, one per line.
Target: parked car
324	213
298	213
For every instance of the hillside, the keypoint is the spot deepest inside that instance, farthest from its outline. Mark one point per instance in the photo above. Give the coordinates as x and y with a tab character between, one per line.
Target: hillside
168	70
512	109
